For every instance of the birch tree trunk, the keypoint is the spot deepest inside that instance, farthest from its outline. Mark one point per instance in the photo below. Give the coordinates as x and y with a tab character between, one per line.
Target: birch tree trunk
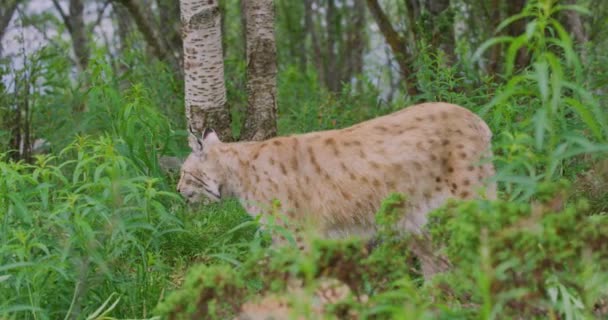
205	91
260	122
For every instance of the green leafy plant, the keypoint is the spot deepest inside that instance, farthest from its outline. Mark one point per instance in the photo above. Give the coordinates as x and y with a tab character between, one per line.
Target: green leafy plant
546	114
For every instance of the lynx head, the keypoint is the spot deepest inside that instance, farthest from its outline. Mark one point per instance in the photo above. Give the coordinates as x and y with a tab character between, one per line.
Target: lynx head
200	176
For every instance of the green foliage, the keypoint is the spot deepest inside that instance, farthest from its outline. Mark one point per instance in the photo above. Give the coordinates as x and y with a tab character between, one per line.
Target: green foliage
209	293
516	258
305	106
509	259
95	228
83	219
546	115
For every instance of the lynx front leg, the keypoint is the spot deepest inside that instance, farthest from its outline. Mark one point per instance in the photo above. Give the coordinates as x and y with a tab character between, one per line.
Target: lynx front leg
431	262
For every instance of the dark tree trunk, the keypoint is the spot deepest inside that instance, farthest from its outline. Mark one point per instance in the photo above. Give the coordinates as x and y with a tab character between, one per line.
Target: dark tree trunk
331	65
314	39
124	26
80	41
575	25
355	42
396	42
143	18
518	28
301	45
260	123
74	23
170	26
442	26
495	58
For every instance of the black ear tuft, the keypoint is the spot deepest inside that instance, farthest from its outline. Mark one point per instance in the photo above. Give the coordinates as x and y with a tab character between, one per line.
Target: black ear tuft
207	132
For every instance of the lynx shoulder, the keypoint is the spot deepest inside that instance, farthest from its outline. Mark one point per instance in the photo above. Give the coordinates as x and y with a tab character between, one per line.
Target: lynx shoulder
430	152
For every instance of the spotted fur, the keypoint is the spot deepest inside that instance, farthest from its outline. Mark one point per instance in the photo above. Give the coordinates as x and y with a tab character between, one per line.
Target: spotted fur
337	179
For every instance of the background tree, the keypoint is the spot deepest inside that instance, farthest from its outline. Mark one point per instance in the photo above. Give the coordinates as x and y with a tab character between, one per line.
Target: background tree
206	105
145	20
397	43
260	122
74	23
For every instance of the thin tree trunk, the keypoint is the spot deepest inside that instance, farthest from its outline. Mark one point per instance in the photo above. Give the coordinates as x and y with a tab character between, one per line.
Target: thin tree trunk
6	15
143	18
577	29
80	41
260	122
301	45
518	28
355	42
413	7
576	26
311	31
205	91
494	63
124	26
331	63
413	14
396	42
74	23
360	42
442	26
170	26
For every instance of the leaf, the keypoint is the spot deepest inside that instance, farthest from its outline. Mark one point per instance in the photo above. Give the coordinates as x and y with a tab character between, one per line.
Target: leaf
484	46
511	89
593	106
225	257
20	207
540	124
572	7
514	47
530	29
586	116
542	79
513	18
102	311
15	265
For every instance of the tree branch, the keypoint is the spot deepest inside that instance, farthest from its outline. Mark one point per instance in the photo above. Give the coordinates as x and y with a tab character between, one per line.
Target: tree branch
100	13
150	33
395	41
64	17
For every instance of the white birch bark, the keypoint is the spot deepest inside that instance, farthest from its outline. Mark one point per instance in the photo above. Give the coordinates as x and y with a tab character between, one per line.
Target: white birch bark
205	91
260	122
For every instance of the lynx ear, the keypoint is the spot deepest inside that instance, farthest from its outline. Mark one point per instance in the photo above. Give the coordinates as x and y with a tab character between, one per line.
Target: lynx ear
210	137
196	143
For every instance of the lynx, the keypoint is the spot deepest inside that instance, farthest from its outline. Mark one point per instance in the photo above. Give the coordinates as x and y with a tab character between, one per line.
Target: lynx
336	179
